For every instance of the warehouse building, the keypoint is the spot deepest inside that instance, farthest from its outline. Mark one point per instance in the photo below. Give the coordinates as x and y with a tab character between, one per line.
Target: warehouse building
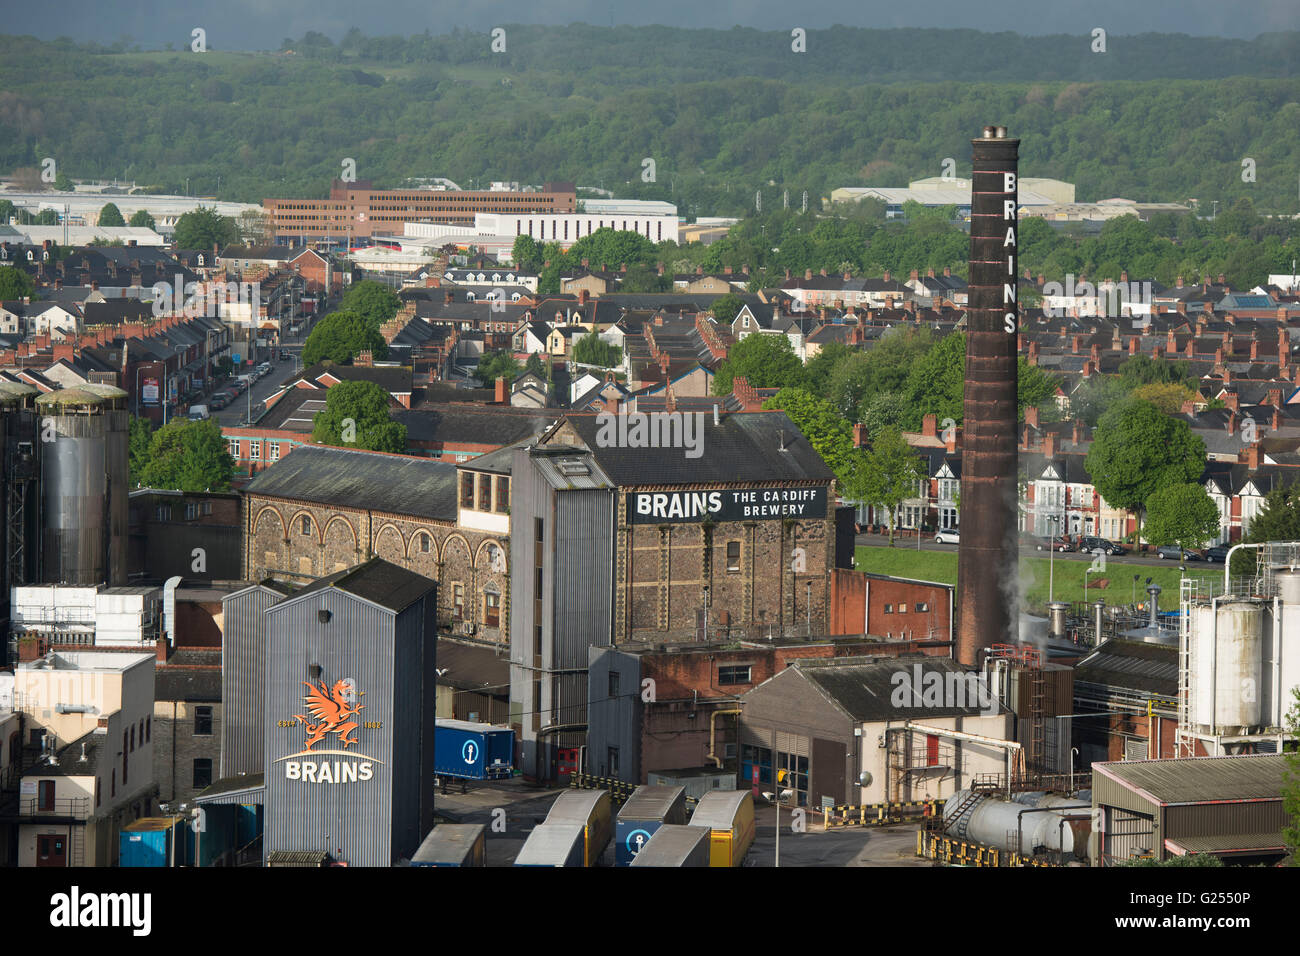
828	722
616	544
325	509
349	763
1230	807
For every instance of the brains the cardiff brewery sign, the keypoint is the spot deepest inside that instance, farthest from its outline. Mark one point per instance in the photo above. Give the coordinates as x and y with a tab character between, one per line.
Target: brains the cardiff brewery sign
329	711
728	504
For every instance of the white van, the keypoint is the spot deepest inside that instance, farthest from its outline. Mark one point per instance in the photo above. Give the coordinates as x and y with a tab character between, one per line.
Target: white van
199	413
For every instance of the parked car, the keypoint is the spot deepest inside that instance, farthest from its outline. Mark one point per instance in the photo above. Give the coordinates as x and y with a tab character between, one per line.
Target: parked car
1060	542
1217	553
1091	544
220	400
199	413
1175	552
947	536
285	355
264	368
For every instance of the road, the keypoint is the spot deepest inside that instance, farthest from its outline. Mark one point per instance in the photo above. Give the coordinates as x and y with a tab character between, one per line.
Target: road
237	412
928	544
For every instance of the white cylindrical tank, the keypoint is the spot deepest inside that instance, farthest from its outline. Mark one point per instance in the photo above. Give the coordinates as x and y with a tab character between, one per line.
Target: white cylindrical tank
1239	665
1200	660
994	822
1288	668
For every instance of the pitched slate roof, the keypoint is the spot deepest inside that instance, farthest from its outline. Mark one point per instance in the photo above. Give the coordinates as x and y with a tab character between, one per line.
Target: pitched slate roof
376	581
741	448
365	480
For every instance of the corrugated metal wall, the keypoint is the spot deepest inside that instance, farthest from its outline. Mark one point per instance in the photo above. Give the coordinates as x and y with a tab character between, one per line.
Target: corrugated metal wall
356	821
614	721
243	679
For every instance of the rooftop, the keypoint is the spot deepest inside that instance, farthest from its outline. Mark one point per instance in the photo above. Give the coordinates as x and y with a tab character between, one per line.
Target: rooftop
1201	779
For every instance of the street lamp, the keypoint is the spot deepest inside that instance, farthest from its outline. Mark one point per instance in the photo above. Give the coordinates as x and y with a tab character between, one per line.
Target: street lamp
777	799
1051	555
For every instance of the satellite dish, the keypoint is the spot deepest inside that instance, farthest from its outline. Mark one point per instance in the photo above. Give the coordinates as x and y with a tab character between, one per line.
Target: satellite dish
865	778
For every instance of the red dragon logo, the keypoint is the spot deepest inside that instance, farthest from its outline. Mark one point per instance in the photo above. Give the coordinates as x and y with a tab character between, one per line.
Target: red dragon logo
329	712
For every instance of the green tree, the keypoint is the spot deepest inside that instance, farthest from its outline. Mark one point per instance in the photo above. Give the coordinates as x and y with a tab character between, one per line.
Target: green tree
188	456
537	366
204	228
141	219
1136	451
141	431
817	370
1035	388
642	277
527	253
726	307
64	184
495	365
937	382
15	284
356	415
1139	370
340	337
1278	520
1182	515
1166	396
46	217
110	215
766	361
373	301
826	430
592	350
886	475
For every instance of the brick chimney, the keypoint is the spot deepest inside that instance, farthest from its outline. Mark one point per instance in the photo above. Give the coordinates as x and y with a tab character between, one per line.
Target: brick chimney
1077	436
1032	358
1188	407
1276	422
1254	349
913	277
886	276
930	426
859	435
500	395
1031	416
1132	345
1274	397
1252	456
449	297
1218	356
582	297
1227	375
1231	400
1088	368
807	273
1096	354
950	439
1181	307
1075	342
364	358
1232	423
1049	445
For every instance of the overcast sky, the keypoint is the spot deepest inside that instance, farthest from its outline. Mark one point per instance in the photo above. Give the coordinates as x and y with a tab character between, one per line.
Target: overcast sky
262	24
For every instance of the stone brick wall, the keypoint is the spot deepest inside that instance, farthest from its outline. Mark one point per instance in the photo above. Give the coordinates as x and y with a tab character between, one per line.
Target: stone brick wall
277	544
176	747
668	573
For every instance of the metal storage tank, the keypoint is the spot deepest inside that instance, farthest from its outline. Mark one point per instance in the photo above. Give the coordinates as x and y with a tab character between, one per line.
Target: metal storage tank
1286	649
729	817
453	844
646	810
86	475
994	822
1239	665
594	810
674	845
1200	654
553	844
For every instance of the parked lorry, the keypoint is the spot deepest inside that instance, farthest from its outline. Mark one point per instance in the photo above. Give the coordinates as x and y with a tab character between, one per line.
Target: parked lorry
594	810
649	808
468	751
453	844
674	845
729	817
554	844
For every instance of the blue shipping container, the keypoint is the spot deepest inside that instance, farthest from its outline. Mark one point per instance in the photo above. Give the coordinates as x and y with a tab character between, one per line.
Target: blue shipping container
473	751
147	842
649	808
